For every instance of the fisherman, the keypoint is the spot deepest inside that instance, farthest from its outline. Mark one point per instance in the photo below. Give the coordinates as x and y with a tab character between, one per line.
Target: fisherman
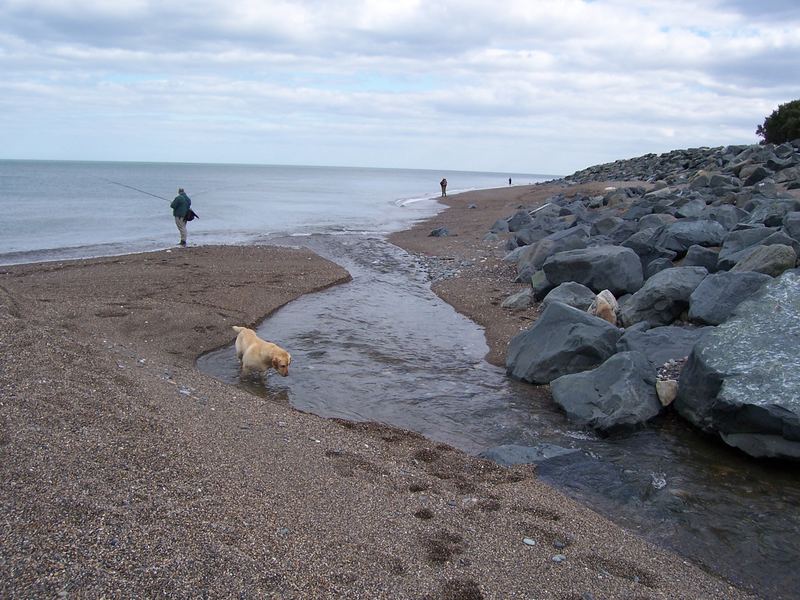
180	210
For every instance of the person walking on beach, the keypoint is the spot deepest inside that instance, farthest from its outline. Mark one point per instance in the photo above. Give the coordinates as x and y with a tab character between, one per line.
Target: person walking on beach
180	210
443	183
509	181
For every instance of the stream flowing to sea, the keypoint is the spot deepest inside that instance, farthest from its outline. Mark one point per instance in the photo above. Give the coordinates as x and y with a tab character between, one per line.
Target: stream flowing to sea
385	348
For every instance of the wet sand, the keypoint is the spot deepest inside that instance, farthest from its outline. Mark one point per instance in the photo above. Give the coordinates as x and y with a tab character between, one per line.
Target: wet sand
128	473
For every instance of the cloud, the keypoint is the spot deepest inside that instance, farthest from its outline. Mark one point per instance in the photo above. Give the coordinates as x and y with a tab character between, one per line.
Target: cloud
547	86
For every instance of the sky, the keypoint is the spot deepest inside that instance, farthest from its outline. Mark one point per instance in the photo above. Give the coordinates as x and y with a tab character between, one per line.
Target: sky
521	86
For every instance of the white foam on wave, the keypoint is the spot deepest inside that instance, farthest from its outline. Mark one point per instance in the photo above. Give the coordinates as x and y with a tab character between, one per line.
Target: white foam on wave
408	201
335	232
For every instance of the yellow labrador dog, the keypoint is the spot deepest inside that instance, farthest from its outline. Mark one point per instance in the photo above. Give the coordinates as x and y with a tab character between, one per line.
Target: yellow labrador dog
258	355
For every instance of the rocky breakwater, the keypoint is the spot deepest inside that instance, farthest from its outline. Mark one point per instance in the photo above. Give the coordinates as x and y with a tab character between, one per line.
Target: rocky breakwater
678	293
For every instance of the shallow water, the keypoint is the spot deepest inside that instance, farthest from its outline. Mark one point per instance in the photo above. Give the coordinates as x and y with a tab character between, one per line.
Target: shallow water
385	348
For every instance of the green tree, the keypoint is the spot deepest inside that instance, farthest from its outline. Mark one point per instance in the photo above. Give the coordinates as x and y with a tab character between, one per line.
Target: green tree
783	125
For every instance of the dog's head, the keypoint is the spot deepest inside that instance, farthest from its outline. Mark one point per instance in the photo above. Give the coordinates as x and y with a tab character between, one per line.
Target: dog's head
281	362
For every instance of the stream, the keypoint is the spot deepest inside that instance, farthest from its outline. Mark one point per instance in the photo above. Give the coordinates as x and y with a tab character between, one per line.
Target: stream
385	348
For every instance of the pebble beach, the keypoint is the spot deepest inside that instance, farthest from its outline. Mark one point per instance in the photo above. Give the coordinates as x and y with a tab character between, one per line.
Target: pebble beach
128	473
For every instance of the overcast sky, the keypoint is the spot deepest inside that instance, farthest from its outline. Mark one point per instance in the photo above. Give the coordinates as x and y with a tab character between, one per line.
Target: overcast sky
519	85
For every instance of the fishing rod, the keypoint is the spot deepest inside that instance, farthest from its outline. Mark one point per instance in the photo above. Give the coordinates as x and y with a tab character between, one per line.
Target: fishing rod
190	216
130	187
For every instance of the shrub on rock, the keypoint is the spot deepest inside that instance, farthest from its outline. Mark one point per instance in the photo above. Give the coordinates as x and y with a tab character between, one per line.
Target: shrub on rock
782	125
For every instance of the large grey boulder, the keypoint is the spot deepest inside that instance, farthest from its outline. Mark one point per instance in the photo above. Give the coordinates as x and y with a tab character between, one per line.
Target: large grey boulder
621	232
614	268
738	240
519	301
692	209
499	226
780	237
663	297
738	247
560	241
653	221
742	379
619	393
698	256
713	301
540	286
513	256
572	294
605	225
755	174
657	265
519	220
637	211
645	244
791	225
719	181
680	235
563	340
789	175
661	344
528	236
771	260
776	164
771	211
726	215
523	237
700	180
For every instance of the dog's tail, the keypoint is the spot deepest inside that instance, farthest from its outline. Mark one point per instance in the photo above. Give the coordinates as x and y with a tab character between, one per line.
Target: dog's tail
237	329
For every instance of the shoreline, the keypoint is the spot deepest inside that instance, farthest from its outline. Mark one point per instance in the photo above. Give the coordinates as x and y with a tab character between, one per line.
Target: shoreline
477	280
135	474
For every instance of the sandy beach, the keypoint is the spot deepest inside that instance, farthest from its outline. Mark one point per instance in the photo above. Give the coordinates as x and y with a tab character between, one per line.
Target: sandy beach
128	473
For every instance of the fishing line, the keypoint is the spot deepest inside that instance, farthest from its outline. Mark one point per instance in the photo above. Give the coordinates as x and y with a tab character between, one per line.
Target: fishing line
191	215
130	187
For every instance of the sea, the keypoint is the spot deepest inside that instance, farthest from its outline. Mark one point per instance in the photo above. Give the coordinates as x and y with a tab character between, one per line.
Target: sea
56	210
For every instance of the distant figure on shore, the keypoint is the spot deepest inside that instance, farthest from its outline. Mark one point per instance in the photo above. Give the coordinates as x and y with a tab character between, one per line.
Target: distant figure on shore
180	210
443	183
509	181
